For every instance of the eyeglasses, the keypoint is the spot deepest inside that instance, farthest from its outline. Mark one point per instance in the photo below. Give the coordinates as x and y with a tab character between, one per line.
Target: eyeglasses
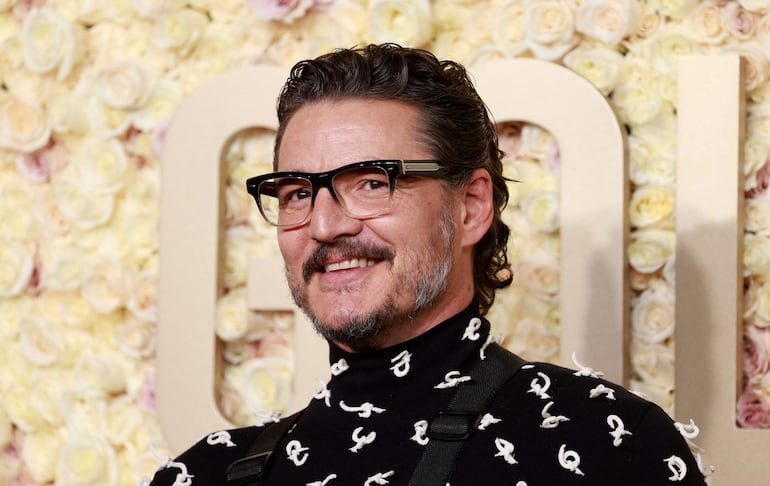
362	189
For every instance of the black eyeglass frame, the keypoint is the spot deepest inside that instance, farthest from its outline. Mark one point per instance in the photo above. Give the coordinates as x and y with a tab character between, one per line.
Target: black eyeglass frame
393	168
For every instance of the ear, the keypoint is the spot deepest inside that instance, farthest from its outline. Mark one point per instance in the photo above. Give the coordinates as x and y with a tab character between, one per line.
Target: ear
477	207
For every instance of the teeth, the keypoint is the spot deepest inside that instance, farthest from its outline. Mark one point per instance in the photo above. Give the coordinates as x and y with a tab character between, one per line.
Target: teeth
352	263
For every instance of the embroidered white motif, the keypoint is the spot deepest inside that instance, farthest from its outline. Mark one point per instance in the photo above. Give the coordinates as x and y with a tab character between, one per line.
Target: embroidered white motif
472	330
487	420
551	421
677	467
420	431
364	410
521	483
617	429
221	437
569	460
452	379
293	450
323	483
361	441
323	394
483	350
340	367
183	478
527	366
688	431
401	366
602	390
584	370
379	478
538	389
505	450
273	417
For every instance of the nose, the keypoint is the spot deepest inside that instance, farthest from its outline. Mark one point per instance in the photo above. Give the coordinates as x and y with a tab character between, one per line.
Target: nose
328	220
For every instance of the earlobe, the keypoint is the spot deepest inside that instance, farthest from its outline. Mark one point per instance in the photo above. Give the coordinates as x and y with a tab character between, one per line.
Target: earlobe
477	208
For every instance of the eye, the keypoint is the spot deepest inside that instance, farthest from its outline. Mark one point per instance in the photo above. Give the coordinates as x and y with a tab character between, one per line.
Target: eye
293	193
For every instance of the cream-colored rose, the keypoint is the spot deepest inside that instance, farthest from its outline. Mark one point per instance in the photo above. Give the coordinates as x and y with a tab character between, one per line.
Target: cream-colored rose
83	209
16	404
86	460
550	28
106	285
13	310
536	143
650	21
266	385
763	33
757	216
153	8
23	127
451	45
652	314
234	321
755	154
663	396
706	24
541	209
533	341
16	267
45	395
755	5
755	66
107	121
669	270
239	241
653	363
41	341
6	430
68	308
136	339
103	373
539	275
599	65
50	42
160	107
509	32
758	116
650	249
651	205
123	417
762	310
607	21
39	452
178	30
63	265
648	164
756	255
671	42
638	102
11	57
238	205
102	165
406	22
677	9
125	84
17	217
143	300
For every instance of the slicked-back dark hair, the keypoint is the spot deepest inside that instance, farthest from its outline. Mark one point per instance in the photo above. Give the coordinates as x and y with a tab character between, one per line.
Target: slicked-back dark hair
457	126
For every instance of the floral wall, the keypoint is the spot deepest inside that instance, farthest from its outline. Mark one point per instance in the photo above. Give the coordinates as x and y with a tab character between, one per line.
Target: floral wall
87	88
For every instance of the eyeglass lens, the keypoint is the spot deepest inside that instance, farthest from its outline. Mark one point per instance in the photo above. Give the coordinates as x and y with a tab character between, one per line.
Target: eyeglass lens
362	192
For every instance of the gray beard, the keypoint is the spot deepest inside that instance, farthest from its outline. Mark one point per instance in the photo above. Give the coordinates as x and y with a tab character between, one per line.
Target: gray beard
361	331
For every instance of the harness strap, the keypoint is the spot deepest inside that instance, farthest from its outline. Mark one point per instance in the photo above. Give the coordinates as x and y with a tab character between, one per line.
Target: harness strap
449	429
251	470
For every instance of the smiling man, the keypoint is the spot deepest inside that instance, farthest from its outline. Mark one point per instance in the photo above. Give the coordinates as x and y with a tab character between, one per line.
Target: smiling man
387	198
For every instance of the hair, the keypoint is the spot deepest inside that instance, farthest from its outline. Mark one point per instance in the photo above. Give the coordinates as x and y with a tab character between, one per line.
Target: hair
457	126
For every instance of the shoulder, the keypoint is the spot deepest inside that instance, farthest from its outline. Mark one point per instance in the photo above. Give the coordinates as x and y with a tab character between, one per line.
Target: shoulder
207	460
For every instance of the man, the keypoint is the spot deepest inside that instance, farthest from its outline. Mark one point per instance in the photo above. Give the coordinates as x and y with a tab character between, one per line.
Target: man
387	205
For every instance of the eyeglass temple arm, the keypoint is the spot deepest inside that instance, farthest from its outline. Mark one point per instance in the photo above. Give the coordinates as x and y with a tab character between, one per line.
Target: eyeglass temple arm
421	167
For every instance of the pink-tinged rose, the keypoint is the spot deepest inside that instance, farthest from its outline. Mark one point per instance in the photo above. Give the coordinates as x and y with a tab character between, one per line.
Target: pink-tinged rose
752	410
756	351
286	11
738	22
38	166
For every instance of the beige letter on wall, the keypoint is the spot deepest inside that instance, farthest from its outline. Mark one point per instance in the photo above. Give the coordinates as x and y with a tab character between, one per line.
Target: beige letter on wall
594	227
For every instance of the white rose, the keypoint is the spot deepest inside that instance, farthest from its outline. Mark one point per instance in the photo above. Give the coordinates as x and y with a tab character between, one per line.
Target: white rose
6	429
17	215
649	22
125	84
652	315
66	112
230	399
671	42
238	205
102	165
541	209
105	286
45	395
677	9
107	121
86	460
11	56
638	102
654	363
755	154
123	418
41	342
153	8
532	341
238	243
599	65
758	119
540	275
762	311
763	33
67	308
234	321
266	385
757	212
85	210
550	28
135	338
705	23
755	66
16	404
179	30
13	310
650	249
39	452
650	205
160	107
48	42
509	31
663	396
607	21
756	255
536	143
754	5
23	127
63	265
648	167
143	299
16	267
103	373
406	22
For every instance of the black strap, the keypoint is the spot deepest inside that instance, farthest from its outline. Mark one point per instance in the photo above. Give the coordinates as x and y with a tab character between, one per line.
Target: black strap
251	470
448	430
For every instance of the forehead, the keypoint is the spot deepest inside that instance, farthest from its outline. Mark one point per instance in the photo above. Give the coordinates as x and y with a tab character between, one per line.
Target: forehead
327	134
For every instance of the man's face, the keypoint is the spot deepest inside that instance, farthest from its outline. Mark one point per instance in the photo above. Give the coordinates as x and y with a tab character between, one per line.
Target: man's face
374	282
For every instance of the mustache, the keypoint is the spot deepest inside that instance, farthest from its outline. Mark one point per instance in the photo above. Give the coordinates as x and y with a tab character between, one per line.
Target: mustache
344	249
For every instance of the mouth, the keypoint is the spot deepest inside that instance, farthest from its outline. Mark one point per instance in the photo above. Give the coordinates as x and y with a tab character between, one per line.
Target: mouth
344	256
348	264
